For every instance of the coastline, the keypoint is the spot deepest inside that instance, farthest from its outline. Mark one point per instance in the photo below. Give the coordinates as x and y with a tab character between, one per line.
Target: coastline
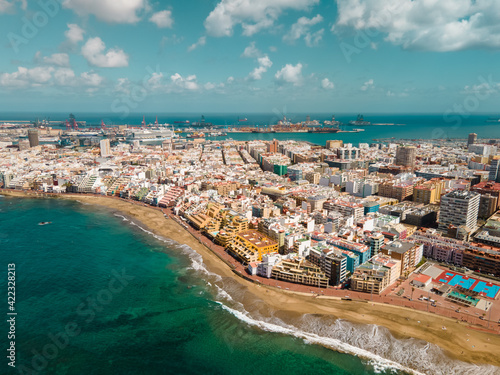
457	341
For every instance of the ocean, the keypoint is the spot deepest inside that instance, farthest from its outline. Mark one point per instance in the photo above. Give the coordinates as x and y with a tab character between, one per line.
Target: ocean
407	126
98	294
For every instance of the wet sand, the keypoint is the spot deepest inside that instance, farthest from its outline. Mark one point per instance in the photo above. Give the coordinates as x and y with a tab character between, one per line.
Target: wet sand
458	340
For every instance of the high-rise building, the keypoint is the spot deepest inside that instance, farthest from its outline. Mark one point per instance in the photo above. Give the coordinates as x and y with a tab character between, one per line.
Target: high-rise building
331	261
406	156
33	137
487	188
494	167
487	206
273	146
376	241
295	173
410	254
426	193
105	148
472	139
460	207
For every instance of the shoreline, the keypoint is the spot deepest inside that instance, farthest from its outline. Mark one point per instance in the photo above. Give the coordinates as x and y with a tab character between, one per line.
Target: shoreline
457	341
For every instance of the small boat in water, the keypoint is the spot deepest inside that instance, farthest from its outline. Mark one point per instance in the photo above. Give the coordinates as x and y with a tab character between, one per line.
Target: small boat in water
44	222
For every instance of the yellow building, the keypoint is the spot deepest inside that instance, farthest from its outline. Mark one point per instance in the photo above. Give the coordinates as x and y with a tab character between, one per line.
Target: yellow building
213	209
426	193
430	191
334	144
249	246
199	221
236	225
313	177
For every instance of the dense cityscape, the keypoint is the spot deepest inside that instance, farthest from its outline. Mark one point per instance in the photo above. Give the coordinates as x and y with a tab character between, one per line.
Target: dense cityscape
407	223
250	187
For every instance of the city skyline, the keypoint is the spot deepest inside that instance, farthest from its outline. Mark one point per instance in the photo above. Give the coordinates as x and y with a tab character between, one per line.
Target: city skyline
231	56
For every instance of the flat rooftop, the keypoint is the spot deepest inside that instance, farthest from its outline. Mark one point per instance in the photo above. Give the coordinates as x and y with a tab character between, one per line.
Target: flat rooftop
256	238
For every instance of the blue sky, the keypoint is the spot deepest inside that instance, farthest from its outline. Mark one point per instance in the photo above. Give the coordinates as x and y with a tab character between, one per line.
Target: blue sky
250	56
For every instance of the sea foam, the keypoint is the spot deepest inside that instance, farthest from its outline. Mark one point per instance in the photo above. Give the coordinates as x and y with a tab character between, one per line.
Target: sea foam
378	363
374	344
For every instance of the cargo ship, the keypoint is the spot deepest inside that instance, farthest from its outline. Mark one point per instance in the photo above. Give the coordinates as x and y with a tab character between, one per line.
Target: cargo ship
149	135
202	122
360	121
324	130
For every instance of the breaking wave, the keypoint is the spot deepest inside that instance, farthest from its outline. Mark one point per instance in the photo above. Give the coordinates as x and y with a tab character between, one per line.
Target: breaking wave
373	344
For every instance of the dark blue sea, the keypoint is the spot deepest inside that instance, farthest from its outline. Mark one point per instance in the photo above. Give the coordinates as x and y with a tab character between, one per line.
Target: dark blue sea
98	294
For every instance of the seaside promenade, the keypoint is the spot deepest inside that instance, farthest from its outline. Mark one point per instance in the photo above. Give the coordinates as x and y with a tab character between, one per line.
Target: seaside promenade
489	323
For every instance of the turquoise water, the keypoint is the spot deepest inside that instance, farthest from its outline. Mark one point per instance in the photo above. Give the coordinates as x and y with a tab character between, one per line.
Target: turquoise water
117	300
450	124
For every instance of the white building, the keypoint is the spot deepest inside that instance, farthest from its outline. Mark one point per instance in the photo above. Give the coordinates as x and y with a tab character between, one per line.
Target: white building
105	148
459	208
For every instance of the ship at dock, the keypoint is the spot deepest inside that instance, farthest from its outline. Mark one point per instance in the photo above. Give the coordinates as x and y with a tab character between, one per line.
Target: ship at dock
332	122
324	130
360	121
150	135
196	135
202	123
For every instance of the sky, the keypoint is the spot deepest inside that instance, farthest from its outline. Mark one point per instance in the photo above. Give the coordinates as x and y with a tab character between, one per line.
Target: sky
250	56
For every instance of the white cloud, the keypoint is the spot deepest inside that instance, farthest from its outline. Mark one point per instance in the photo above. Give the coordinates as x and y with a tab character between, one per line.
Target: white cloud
5	6
435	25
59	59
91	79
290	74
94	52
327	84
312	39
27	77
74	34
484	88
64	77
49	76
209	86
155	82
302	27
403	94
252	15
122	86
230	79
212	86
201	42
114	11
163	19
367	85
251	51
264	64
188	83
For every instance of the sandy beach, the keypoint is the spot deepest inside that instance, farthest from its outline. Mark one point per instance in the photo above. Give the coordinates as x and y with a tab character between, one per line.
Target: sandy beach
457	340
